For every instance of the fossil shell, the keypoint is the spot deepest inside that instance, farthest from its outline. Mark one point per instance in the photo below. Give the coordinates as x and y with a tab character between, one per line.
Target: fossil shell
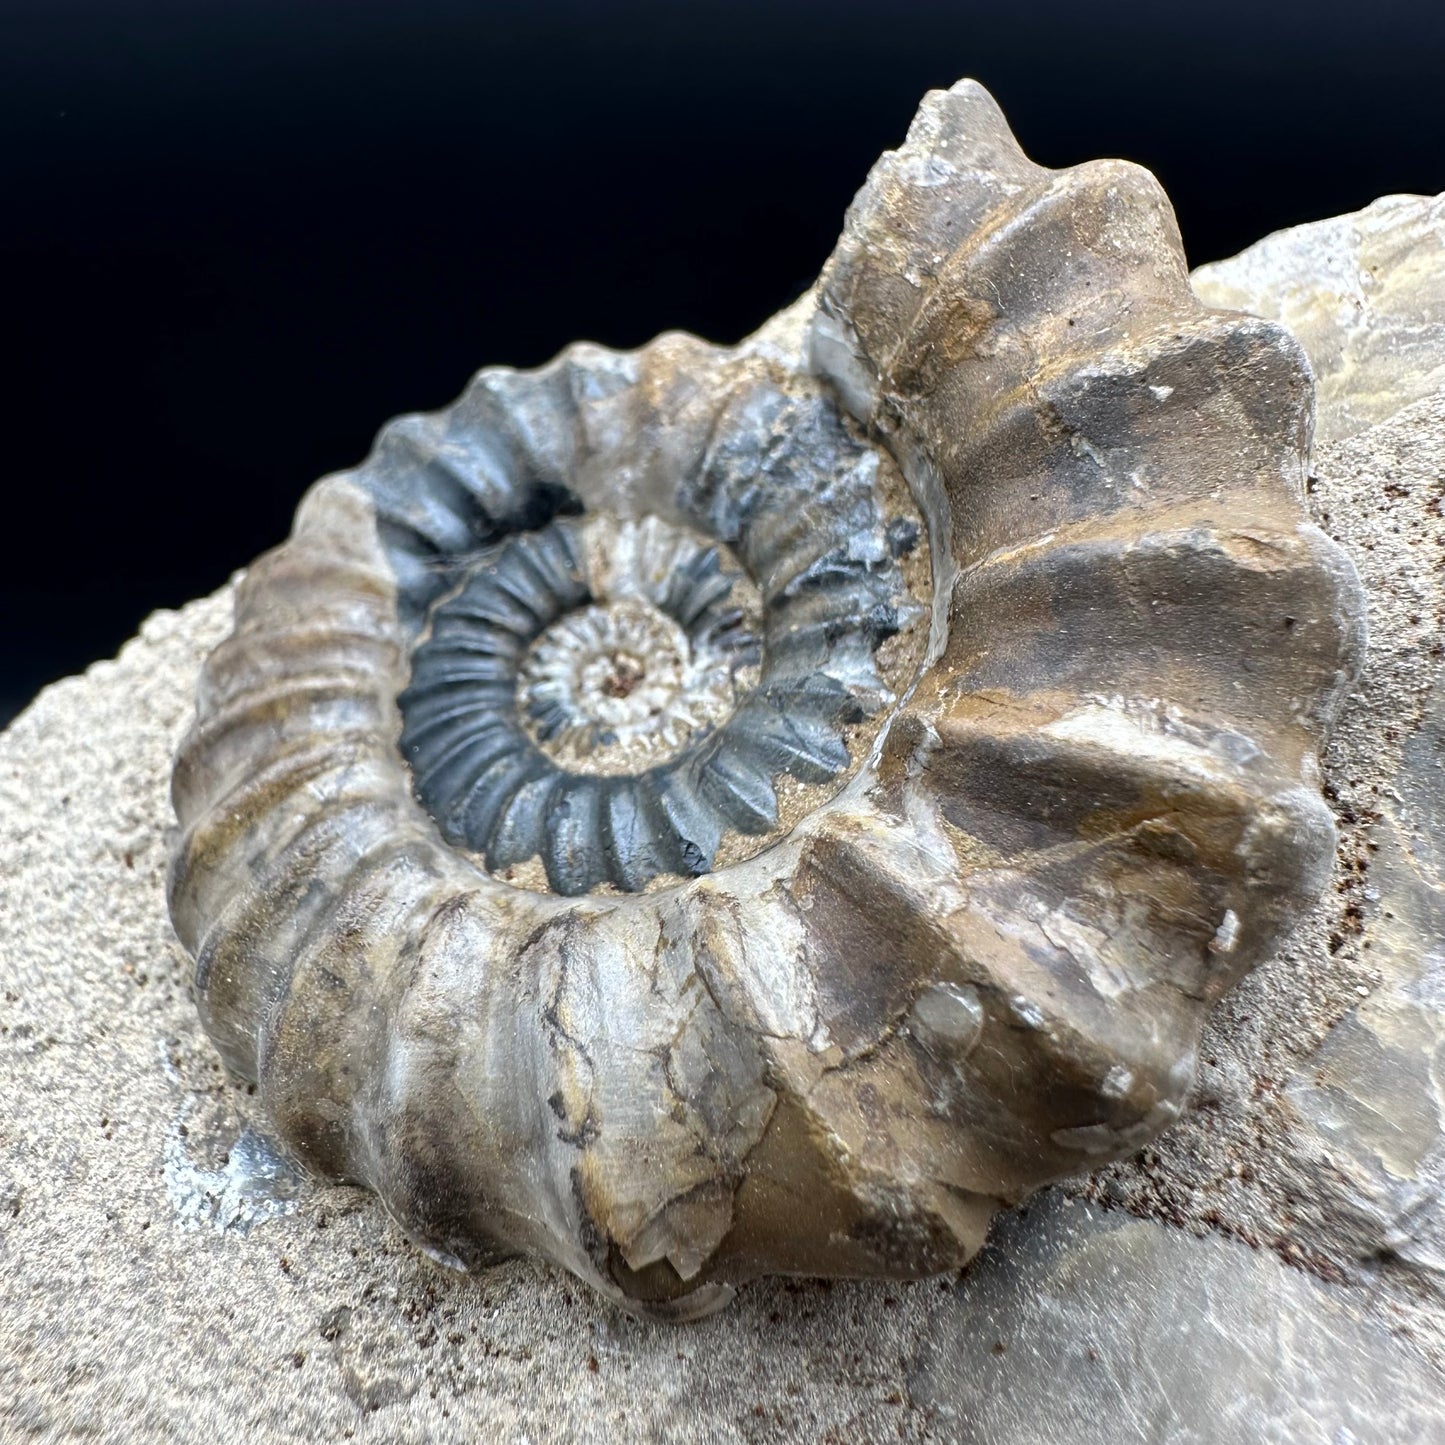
704	812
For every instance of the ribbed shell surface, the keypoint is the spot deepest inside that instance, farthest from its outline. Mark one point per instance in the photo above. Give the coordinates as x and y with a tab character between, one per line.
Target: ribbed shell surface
735	1026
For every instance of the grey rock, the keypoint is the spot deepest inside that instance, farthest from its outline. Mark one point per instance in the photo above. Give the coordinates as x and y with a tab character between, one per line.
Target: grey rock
1087	1326
1369	1108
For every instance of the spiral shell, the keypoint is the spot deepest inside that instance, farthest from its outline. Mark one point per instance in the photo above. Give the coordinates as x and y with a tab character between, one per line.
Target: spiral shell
711	811
588	691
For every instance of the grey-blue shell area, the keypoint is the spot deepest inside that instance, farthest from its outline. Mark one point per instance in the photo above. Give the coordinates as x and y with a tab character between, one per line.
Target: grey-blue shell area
476	510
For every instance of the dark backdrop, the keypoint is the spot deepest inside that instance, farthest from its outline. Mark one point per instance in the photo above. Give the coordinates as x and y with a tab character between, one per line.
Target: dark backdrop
239	234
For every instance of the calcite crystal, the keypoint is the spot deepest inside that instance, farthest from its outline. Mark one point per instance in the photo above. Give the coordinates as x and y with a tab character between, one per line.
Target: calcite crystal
708	811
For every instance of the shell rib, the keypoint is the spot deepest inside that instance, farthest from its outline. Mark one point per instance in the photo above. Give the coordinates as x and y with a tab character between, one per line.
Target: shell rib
987	660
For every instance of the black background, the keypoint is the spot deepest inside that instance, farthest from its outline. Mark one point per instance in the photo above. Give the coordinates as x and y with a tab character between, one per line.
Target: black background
239	234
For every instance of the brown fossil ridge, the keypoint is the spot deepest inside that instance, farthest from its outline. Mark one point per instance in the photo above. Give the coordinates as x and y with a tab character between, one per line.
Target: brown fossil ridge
1026	777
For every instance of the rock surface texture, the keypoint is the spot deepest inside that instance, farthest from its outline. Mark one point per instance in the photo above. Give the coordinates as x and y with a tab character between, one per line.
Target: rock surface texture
1275	1273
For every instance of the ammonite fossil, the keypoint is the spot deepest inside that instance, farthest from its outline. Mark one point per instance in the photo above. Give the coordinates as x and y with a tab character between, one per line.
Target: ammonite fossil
711	811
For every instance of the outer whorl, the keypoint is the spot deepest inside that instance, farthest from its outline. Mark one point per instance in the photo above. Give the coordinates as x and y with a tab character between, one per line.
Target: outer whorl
705	812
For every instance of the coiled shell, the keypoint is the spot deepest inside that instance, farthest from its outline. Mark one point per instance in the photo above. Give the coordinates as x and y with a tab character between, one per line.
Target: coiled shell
983	687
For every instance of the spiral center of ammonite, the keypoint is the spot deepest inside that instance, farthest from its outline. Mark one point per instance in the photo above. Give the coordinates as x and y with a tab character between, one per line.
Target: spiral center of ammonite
623	675
606	700
619	686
